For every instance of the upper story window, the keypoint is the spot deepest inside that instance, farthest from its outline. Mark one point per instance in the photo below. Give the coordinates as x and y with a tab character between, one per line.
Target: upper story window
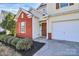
71	4
60	5
44	12
63	4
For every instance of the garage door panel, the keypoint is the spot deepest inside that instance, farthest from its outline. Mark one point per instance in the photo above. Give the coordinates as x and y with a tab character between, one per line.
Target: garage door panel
68	30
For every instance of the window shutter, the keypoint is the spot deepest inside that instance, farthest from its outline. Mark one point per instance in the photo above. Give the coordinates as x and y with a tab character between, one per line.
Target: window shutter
57	5
71	4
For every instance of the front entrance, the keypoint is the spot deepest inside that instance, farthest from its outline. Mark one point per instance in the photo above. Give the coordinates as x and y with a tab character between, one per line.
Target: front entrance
44	29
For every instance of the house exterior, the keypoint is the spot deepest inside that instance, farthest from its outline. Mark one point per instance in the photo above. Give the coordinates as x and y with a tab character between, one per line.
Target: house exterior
23	24
55	21
63	21
33	27
39	21
43	24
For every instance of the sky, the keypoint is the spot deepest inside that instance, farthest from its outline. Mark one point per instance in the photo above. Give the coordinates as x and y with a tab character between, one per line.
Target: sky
14	7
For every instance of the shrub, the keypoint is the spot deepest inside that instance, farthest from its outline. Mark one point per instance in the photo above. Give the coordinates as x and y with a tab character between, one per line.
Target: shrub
29	42
10	39
24	44
14	41
6	38
2	37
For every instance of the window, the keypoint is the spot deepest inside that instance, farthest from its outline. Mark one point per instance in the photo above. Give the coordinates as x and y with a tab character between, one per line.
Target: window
60	5
71	4
22	27
63	4
44	12
57	5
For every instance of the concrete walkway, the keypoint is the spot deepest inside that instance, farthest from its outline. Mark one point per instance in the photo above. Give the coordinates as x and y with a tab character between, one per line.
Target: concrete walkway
41	39
59	48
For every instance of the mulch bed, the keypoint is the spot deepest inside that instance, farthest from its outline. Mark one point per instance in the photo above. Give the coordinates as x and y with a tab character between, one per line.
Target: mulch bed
30	52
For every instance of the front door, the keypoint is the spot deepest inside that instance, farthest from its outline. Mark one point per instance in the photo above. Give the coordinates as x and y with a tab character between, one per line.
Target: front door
43	29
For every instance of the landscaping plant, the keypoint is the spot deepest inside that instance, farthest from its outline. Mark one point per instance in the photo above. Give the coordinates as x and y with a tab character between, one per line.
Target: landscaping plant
3	37
9	24
18	43
15	41
6	38
24	44
10	39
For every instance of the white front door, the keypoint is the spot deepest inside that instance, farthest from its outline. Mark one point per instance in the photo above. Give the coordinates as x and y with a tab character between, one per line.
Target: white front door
67	30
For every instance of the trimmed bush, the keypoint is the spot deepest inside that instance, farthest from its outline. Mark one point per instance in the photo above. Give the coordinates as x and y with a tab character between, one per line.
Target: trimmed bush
6	38
2	37
14	41
24	44
29	42
10	39
19	43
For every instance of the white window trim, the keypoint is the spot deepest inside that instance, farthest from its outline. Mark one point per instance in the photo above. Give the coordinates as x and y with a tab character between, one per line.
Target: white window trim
64	6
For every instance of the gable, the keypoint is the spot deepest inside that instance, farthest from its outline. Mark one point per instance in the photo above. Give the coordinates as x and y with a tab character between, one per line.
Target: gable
22	14
36	13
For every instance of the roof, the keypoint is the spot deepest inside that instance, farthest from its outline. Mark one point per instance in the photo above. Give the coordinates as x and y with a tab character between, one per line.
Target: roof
32	12
41	5
22	10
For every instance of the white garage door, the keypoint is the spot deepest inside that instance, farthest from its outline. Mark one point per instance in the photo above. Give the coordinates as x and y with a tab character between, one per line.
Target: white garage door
68	30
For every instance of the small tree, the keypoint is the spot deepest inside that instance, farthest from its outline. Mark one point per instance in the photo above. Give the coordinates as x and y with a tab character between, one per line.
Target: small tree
9	23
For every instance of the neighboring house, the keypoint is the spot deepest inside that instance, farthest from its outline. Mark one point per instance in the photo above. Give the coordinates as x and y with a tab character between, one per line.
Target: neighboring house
63	21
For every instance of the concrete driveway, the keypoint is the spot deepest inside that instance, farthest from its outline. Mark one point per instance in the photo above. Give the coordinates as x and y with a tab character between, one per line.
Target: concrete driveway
59	48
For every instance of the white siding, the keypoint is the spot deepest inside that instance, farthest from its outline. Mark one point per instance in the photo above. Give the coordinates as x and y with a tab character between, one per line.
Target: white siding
72	16
35	28
51	9
36	13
